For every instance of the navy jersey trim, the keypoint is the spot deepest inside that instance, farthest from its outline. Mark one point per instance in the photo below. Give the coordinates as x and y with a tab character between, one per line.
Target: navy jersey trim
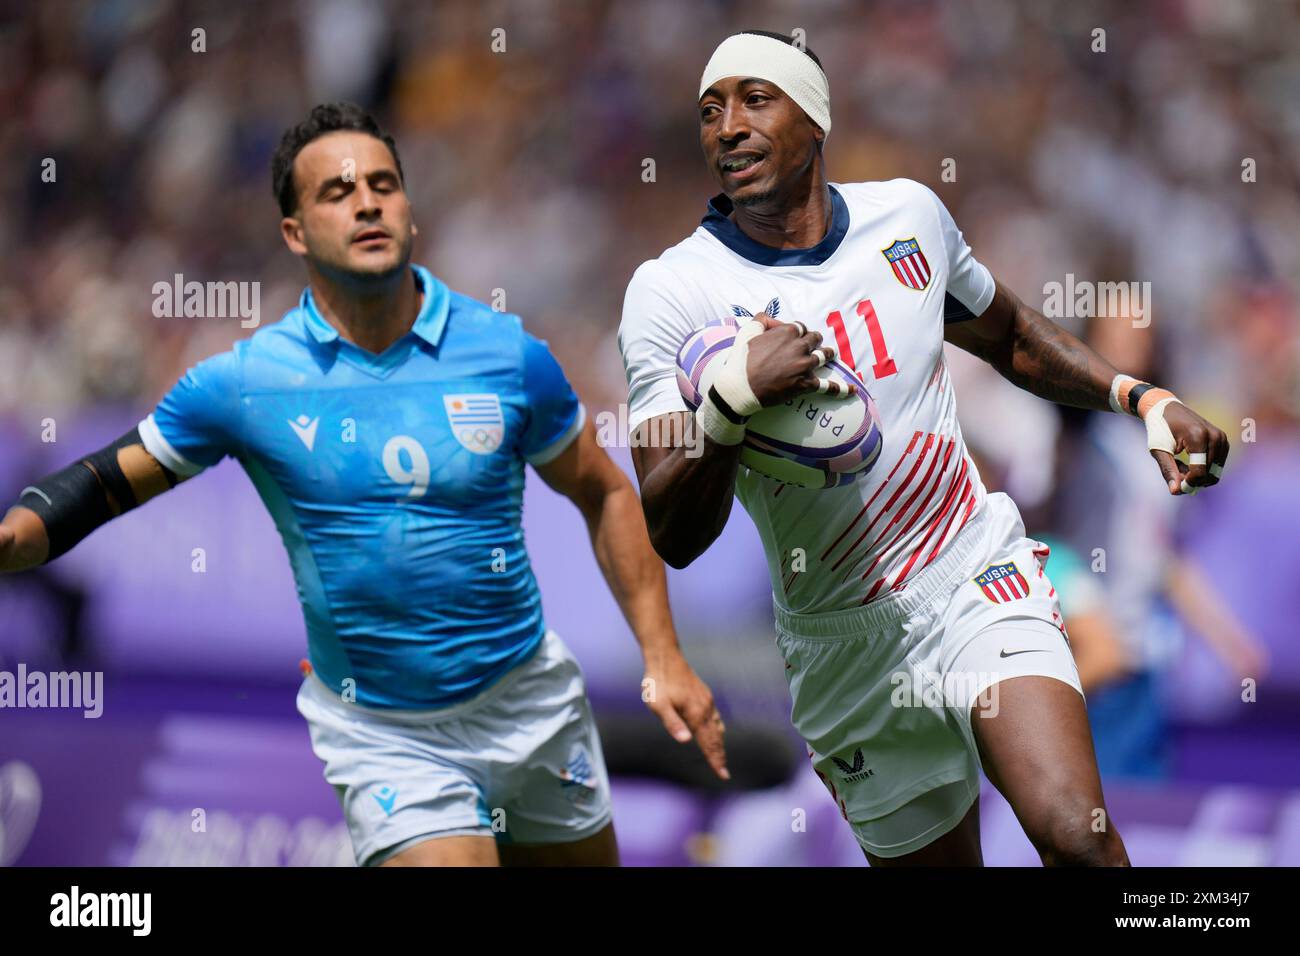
954	311
726	232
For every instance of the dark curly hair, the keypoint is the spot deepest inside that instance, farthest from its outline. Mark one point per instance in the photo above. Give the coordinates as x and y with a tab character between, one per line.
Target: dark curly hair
325	118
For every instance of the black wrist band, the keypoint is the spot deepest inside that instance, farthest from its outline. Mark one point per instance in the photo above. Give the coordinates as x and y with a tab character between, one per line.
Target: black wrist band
727	411
1137	392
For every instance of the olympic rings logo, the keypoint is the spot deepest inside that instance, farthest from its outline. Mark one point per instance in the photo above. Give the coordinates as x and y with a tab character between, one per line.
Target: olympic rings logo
479	438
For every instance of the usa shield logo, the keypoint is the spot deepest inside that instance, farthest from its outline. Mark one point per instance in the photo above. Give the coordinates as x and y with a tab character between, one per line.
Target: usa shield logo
1002	583
908	262
476	421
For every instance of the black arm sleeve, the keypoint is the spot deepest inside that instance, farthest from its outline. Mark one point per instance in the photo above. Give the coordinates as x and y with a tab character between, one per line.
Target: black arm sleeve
88	493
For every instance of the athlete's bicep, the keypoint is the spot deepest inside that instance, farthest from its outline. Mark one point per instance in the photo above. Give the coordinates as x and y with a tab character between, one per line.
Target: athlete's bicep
582	472
982	334
655	439
147	476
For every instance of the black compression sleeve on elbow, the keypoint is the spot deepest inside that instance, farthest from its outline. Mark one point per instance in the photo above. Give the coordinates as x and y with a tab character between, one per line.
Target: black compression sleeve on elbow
75	501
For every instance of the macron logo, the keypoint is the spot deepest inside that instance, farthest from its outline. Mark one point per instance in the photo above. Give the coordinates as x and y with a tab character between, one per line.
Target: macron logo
306	430
385	797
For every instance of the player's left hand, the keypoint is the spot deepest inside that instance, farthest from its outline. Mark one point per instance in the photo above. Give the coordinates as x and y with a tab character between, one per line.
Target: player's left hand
1206	447
675	693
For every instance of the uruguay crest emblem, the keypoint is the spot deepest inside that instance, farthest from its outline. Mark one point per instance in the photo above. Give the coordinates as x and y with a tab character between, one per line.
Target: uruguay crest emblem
476	421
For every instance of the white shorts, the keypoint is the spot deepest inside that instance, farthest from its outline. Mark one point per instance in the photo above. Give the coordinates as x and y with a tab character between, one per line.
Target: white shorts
882	694
520	762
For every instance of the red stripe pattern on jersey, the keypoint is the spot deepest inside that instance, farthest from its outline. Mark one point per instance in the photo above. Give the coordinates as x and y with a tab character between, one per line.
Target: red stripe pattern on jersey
909	519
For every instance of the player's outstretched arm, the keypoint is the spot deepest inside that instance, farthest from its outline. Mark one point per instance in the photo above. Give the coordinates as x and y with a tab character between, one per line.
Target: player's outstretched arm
584	473
1041	357
686	464
54	514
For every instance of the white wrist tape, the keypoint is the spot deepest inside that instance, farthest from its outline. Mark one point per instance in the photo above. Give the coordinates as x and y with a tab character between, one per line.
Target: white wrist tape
1115	384
732	380
1159	437
732	385
717	425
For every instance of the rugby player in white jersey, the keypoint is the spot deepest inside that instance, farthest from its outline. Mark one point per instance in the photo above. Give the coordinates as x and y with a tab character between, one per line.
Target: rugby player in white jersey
921	636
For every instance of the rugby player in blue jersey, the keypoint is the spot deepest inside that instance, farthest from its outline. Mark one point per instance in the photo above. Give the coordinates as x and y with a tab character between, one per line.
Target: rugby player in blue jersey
385	422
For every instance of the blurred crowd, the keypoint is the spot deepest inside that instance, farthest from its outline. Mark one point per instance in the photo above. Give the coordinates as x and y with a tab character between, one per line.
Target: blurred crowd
1155	142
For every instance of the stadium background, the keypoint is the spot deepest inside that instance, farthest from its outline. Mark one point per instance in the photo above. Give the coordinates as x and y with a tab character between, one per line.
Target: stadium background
525	169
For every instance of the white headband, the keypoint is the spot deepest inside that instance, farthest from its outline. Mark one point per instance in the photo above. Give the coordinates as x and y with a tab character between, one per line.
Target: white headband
765	58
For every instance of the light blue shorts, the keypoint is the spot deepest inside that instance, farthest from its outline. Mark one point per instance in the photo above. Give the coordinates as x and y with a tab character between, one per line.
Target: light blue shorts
521	762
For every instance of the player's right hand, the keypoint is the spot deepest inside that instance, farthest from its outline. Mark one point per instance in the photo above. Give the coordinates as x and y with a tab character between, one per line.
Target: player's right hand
684	703
783	359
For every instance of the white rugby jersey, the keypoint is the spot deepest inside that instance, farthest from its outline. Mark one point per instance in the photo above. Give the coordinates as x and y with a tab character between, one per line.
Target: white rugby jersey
892	269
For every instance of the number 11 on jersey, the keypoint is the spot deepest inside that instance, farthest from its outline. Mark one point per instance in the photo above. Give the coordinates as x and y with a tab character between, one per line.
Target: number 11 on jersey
884	365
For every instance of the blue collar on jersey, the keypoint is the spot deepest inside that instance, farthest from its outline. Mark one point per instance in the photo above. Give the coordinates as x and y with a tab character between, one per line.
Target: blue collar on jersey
429	324
729	235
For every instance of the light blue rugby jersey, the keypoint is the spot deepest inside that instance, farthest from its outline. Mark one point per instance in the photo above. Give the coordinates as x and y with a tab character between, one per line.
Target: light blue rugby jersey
396	482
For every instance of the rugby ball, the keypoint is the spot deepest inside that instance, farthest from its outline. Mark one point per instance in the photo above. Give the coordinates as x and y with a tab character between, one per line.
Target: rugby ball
812	441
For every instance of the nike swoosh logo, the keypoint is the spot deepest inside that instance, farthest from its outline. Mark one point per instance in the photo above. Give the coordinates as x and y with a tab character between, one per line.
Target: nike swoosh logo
1032	650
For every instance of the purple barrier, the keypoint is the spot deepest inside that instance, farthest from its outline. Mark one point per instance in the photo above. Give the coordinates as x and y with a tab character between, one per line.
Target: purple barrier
146	784
151	783
231	780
